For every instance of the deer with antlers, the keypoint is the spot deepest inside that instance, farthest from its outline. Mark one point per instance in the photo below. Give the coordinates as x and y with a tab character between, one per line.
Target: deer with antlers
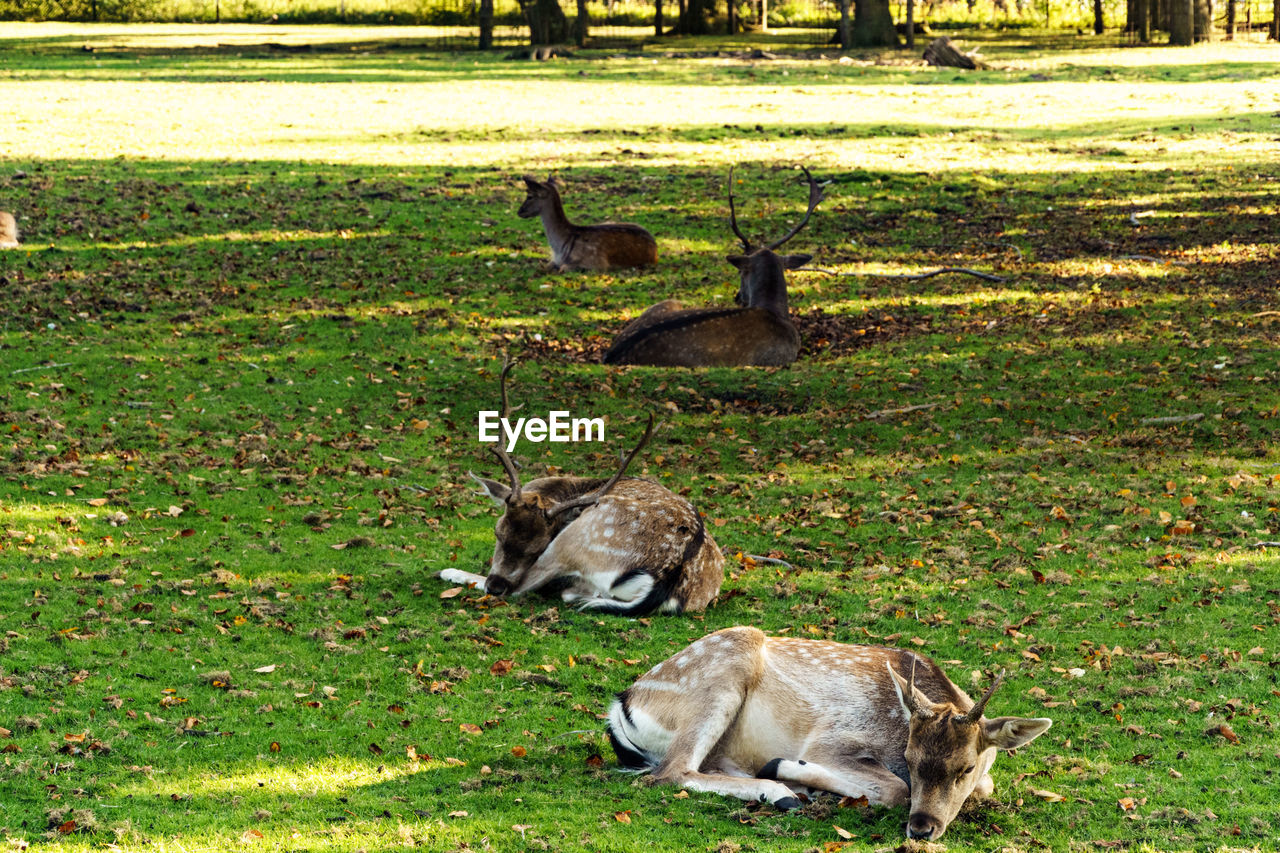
610	245
758	331
763	718
618	545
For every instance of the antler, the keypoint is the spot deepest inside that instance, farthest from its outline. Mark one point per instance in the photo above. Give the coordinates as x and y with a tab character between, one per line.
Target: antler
815	198
496	449
733	217
909	697
975	713
595	495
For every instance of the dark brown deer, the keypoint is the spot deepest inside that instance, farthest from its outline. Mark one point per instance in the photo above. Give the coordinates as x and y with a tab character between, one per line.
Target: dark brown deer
585	247
758	331
758	718
617	545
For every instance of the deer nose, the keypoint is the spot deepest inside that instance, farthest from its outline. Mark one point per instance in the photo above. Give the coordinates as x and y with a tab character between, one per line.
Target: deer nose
495	585
921	825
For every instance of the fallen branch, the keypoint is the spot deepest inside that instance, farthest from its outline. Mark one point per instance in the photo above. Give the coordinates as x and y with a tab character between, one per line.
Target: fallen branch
1259	314
1172	419
41	367
1150	258
884	413
1266	544
913	277
756	558
1133	217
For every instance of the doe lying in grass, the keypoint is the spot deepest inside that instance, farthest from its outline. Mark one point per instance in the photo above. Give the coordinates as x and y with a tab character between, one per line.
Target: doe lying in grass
585	247
755	717
623	546
758	332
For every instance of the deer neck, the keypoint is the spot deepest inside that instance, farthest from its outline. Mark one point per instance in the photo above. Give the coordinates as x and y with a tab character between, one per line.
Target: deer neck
771	295
560	231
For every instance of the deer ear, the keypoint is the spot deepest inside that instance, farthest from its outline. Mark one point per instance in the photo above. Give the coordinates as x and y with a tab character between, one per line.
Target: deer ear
554	181
738	261
1013	732
530	181
794	262
493	489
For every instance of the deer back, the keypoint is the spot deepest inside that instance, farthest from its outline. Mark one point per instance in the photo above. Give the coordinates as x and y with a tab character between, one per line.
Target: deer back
611	245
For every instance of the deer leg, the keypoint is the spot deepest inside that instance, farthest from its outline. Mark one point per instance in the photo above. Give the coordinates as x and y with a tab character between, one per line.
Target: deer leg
461	577
863	778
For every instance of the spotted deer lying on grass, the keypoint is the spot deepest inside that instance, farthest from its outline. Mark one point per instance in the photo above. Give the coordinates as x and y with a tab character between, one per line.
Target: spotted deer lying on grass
610	245
621	545
754	717
757	332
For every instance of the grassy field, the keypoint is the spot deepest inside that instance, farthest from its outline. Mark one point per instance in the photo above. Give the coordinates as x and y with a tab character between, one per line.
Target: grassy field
263	295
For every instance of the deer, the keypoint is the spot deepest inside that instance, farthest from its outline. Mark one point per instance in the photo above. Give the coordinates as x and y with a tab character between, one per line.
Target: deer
607	246
746	715
8	230
757	331
619	545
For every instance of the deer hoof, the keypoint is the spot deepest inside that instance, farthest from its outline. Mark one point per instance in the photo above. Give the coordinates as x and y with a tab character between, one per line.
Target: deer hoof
770	770
787	804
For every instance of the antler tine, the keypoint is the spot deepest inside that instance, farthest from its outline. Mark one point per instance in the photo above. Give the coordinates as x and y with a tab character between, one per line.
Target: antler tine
733	217
909	698
815	198
975	713
507	363
595	495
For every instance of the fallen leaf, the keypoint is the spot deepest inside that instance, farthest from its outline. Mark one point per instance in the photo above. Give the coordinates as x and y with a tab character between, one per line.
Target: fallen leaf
457	814
1047	796
501	667
450	593
1126	804
595	761
97	502
471	728
275	746
375	749
622	817
519	751
251	835
843	833
1227	732
266	669
67	828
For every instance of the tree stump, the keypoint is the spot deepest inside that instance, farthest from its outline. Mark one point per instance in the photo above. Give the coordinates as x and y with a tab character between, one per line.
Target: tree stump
942	52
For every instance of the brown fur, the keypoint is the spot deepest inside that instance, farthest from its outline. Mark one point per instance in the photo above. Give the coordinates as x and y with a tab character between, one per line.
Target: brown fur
612	245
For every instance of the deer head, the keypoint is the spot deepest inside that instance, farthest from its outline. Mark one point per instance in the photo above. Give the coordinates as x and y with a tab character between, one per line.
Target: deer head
761	270
949	752
531	521
540	195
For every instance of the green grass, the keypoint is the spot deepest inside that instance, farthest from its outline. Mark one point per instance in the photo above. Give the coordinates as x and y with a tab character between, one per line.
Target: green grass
262	297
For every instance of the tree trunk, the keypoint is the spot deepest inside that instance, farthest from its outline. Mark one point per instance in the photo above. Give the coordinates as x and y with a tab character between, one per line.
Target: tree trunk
731	16
911	24
582	24
657	18
1202	20
1180	18
846	28
1099	27
547	23
695	17
1231	20
1275	20
873	24
764	16
1142	17
486	24
942	53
